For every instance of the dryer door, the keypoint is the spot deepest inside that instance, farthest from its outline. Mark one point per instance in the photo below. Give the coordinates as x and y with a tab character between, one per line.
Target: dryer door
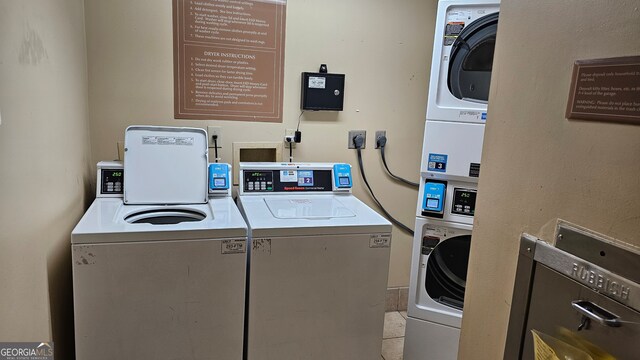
446	274
471	59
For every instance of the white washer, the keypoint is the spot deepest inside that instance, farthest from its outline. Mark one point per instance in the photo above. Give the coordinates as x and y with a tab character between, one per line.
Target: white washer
462	60
163	276
318	264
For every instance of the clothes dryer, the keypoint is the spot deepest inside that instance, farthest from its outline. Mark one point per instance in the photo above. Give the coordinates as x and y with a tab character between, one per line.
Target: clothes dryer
462	60
318	264
160	272
439	263
436	294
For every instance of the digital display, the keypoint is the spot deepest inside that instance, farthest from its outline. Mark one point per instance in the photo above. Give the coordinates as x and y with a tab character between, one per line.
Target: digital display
464	202
305	178
433	203
344	180
219	182
111	181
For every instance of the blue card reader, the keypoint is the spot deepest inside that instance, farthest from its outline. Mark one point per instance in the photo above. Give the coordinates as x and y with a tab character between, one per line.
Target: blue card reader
342	176
434	197
218	176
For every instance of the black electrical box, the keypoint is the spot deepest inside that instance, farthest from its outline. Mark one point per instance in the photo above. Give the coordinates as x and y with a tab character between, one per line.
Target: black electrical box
322	91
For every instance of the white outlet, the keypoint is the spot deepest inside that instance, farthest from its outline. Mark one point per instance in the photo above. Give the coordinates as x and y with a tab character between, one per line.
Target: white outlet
289	133
215	130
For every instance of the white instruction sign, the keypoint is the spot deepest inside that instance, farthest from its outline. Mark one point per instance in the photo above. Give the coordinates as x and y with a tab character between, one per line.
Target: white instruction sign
317	82
288	175
380	241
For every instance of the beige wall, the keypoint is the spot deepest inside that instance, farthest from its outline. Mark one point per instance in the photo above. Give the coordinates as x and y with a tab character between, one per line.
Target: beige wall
537	166
383	47
44	161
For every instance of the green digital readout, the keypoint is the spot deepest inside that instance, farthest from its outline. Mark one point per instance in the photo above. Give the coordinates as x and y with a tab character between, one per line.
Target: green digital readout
116	174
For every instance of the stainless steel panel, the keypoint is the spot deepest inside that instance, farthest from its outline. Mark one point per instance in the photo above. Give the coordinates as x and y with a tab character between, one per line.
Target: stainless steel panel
586	283
317	298
520	300
158	300
550	310
588	274
599	250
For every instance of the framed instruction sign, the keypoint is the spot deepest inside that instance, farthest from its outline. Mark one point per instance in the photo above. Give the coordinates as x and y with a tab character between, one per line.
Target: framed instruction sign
606	90
228	59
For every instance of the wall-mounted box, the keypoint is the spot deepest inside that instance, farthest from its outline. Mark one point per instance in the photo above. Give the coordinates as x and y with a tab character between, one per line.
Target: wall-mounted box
322	91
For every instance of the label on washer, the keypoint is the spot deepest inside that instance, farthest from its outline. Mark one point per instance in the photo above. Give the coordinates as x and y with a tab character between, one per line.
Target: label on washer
234	246
288	176
436	230
261	246
437	162
451	32
474	170
380	241
317	82
167	140
472	116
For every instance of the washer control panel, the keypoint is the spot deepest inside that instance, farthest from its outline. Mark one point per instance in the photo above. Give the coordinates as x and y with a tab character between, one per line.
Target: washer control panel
258	181
464	201
110	179
274	178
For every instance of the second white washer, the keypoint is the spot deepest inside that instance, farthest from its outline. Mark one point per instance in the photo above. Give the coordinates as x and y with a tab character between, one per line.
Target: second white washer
318	264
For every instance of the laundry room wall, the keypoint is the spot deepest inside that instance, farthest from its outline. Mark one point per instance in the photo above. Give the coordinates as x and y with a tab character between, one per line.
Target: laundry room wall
536	165
383	47
45	166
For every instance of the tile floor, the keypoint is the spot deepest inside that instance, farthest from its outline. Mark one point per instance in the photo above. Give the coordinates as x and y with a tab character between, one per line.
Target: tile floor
393	335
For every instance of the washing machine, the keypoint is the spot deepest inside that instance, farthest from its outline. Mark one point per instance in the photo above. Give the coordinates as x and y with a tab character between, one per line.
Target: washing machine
318	264
159	258
462	61
439	269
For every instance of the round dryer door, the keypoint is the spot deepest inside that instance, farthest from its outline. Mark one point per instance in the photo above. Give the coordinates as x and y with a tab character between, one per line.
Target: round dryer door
446	274
471	59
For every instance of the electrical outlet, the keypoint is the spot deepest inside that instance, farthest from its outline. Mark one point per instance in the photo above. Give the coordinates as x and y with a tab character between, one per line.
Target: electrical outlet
291	133
215	130
379	134
352	134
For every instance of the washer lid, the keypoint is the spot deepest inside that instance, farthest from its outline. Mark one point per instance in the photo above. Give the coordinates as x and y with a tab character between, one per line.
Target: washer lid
165	165
307	208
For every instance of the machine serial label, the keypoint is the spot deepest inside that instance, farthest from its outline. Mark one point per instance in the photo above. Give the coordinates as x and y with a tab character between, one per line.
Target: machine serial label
288	175
167	140
316	82
436	230
380	241
234	246
261	246
472	116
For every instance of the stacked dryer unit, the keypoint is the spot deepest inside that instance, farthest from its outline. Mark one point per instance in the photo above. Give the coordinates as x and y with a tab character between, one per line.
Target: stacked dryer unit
454	130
